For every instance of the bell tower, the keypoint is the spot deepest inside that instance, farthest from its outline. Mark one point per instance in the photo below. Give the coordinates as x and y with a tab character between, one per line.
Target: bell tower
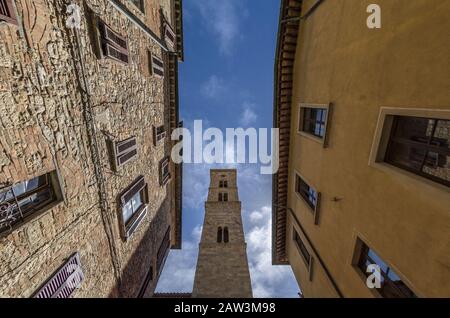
222	266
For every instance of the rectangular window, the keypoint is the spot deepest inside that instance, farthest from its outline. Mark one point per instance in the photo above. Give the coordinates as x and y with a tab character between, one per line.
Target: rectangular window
307	193
157	66
169	36
134	202
421	146
223	197
7	13
164	171
123	151
391	285
223	184
113	45
25	199
162	251
306	256
65	281
159	133
313	121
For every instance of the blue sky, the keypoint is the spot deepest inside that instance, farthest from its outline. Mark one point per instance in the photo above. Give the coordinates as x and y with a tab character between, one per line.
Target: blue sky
227	81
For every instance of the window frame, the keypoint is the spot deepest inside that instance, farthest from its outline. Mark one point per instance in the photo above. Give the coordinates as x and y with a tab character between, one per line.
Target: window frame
105	42
53	184
163	249
324	141
164	178
361	248
314	210
159	136
308	260
168	29
12	17
154	66
129	227
140	7
381	139
117	154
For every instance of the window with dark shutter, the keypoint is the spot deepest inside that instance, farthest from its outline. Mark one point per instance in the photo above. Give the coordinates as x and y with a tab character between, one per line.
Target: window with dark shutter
123	151
7	13
306	256
162	251
21	201
309	195
226	235
133	202
164	171
159	133
65	281
113	45
157	66
169	36
219	235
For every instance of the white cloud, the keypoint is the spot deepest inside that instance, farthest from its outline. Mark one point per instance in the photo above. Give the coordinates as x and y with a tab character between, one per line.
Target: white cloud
213	88
223	20
248	116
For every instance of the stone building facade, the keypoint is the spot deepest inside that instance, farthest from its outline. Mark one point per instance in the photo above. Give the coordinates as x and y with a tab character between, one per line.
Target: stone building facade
364	119
88	101
222	266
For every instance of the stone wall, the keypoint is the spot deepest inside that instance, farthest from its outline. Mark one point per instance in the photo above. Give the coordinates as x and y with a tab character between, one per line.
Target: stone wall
56	113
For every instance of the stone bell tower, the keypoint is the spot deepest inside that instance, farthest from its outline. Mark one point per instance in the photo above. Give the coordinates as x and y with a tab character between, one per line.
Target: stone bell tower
222	267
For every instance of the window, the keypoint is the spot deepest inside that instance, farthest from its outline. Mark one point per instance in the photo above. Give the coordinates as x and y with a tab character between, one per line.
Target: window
306	256
157	66
169	36
25	199
113	45
159	133
421	146
139	4
307	193
391	285
223	184
223	197
162	251
313	121
219	235
226	236
65	281
7	13
123	151
134	206
164	171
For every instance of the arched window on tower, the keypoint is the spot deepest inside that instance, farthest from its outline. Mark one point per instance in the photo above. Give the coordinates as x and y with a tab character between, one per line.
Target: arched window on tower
219	235
226	237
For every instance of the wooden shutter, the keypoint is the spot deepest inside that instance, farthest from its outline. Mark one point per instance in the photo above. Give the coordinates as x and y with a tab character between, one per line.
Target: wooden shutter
134	188
7	13
113	44
65	281
162	252
157	66
125	151
164	171
169	36
159	133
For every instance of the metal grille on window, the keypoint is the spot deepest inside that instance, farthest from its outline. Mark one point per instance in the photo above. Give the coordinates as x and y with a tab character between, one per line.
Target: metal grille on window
66	280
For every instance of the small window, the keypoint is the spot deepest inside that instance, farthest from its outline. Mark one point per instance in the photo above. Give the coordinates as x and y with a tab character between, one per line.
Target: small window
123	151
306	256
65	281
392	285
223	184
313	121
421	146
159	133
157	66
219	235
164	171
169	36
113	45
307	193
25	199
162	251
139	4
226	235
7	13
223	197
134	202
